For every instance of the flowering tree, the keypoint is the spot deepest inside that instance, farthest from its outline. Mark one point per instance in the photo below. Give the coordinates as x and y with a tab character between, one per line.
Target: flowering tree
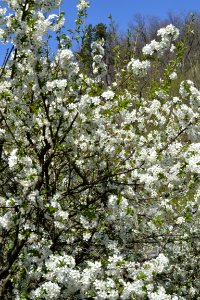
99	193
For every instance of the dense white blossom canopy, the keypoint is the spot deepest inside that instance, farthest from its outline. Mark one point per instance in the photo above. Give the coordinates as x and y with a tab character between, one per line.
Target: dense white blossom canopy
99	192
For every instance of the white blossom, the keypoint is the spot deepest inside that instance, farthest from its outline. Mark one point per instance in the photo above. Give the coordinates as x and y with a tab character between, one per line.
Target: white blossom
173	76
108	95
139	68
13	159
83	4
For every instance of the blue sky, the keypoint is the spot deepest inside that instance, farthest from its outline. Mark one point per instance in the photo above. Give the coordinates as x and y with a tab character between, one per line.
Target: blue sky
123	11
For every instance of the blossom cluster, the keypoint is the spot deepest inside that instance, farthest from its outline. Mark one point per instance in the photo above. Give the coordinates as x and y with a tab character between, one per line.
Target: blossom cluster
98	65
168	35
139	68
83	4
